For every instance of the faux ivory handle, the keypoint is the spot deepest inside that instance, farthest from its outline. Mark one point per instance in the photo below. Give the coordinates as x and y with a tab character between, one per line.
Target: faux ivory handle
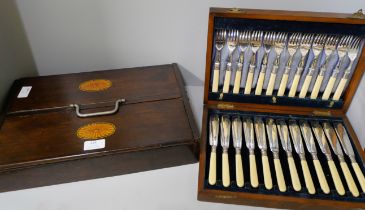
212	179
227	80
248	85
237	82
294	174
307	177
282	87
271	85
336	178
322	179
349	179
253	172
267	173
359	175
239	171
328	90
317	86
260	83
215	80
339	90
279	175
294	86
225	170
304	90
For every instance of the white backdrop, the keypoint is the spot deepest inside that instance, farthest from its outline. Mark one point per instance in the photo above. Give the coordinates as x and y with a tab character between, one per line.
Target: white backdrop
83	35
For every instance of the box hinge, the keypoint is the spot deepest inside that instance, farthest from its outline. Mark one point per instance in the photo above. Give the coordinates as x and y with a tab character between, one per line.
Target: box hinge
225	106
322	113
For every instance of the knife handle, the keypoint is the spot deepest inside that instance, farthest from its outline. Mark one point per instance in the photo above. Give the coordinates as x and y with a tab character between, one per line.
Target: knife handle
349	179
336	178
282	87
237	82
239	171
339	90
359	175
227	81
304	90
279	175
260	82
249	80
225	170
215	80
212	177
317	86
253	171
322	179
307	177
294	174
294	85
329	87
267	172
271	85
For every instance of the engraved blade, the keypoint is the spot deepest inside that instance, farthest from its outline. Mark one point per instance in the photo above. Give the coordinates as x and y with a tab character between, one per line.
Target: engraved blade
344	139
225	131
321	138
332	137
260	133
213	130
237	132
284	135
249	133
272	134
308	136
296	137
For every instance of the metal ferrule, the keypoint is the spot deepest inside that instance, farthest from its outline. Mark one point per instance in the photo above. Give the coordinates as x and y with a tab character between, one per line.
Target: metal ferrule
335	72
252	152
265	60
229	66
314	156
314	63
241	58
216	65
277	60
263	152
289	154
214	148
238	150
341	158
287	69
302	156
225	150
328	156
311	71
353	160
253	59
276	155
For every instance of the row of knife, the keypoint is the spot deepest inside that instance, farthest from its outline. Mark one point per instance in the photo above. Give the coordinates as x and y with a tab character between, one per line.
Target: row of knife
291	133
303	54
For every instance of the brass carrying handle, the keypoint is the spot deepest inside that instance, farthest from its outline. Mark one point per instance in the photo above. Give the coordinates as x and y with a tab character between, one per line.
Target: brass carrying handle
116	108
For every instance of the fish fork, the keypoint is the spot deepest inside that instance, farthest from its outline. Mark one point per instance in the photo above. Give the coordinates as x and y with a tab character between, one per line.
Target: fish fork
231	43
341	51
279	44
352	53
255	43
304	47
330	46
268	42
220	40
292	46
243	43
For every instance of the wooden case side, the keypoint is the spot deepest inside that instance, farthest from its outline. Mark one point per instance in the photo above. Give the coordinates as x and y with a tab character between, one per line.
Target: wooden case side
208	59
202	158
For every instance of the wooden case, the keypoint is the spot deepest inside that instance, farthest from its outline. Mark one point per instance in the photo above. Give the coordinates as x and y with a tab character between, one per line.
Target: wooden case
242	105
43	141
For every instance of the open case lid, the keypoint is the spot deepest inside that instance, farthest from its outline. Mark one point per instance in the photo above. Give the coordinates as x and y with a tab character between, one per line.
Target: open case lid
94	89
288	22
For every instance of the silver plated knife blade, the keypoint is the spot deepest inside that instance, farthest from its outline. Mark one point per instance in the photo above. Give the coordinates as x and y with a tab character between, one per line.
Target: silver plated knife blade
344	140
225	132
260	133
237	132
249	133
321	138
272	134
213	130
332	137
284	135
308	137
296	137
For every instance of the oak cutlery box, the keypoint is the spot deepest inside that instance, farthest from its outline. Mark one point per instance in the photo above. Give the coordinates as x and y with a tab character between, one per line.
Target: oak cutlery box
234	32
120	121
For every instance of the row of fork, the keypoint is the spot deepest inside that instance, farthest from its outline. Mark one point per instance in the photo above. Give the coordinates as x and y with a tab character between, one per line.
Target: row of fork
320	45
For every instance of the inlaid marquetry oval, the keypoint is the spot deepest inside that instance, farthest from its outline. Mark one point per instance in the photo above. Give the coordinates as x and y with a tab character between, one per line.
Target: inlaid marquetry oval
95	85
97	130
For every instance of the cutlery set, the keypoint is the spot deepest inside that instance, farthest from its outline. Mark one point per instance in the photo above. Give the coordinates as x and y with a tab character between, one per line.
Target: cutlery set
297	138
301	65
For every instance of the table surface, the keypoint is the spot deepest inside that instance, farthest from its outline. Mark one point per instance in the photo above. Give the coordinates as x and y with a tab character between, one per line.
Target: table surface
169	188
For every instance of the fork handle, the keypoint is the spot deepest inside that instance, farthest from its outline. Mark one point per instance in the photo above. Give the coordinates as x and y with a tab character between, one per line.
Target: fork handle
227	79
304	90
317	86
249	80
260	82
271	85
283	83
329	87
215	79
212	177
237	82
340	88
294	85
